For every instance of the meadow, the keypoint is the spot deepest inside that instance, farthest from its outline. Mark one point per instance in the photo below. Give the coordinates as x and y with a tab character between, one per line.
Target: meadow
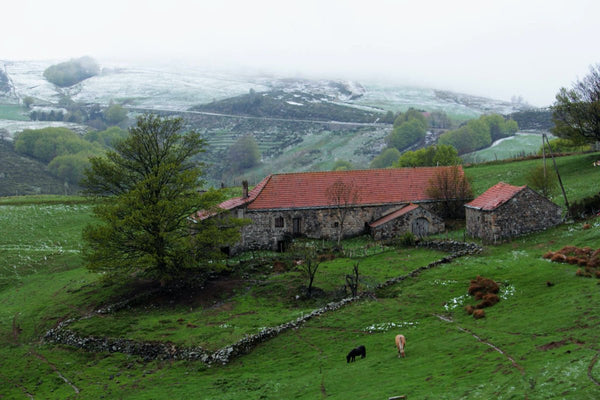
516	146
540	341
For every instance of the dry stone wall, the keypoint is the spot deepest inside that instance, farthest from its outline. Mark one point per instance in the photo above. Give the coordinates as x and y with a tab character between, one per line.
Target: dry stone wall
169	351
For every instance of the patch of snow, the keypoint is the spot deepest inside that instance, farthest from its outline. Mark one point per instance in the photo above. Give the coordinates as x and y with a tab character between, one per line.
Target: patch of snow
386	326
293	103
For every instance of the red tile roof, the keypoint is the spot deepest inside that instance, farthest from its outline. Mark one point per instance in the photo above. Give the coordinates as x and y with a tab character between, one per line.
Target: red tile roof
495	196
236	201
373	187
394	215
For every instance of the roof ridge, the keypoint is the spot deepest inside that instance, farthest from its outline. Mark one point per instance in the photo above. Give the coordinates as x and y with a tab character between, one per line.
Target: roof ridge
359	170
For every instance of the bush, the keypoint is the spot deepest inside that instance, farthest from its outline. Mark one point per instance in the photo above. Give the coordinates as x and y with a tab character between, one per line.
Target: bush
407	239
482	286
585	207
477	314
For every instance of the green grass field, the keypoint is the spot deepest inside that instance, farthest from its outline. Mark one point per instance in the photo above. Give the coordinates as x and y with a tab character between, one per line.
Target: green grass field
511	147
538	342
13	112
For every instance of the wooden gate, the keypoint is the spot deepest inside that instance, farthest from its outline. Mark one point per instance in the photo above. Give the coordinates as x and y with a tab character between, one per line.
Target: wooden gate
420	227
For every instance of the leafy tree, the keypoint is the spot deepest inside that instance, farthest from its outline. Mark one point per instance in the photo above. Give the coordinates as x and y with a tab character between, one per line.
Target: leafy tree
386	159
106	137
342	165
565	146
479	133
499	127
71	72
243	154
439	120
576	111
28	101
430	156
70	167
47	143
411	114
115	114
451	187
474	135
406	134
388	118
149	187
543	180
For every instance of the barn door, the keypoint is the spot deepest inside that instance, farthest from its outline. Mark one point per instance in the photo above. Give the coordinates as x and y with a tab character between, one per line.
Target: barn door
296	226
420	227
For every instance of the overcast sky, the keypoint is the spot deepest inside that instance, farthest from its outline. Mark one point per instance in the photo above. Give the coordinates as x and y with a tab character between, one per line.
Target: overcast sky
492	48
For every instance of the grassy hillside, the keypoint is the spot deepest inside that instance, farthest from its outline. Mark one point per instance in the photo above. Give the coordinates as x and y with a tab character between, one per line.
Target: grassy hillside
21	175
290	105
512	147
538	342
579	178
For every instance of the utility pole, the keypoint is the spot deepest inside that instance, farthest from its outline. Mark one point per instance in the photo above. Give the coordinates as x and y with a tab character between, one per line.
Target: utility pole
545	137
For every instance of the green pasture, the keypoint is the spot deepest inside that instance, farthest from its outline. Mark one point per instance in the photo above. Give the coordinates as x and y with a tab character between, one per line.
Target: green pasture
512	147
13	112
539	342
579	177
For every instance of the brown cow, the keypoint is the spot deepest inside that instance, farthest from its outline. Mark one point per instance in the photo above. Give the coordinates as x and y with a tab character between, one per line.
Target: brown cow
400	343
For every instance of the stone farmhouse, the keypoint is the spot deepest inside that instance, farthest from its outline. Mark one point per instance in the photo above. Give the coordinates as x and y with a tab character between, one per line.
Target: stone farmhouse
383	202
505	211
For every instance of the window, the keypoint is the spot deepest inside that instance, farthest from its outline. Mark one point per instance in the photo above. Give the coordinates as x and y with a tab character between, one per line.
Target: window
278	222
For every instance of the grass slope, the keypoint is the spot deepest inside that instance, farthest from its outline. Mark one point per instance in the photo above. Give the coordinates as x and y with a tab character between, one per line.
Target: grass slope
548	335
21	175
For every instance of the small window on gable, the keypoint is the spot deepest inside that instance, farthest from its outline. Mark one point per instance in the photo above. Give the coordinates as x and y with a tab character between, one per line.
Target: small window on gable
336	224
278	222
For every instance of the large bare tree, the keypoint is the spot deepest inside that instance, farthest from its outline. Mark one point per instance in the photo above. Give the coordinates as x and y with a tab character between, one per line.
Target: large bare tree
451	187
342	196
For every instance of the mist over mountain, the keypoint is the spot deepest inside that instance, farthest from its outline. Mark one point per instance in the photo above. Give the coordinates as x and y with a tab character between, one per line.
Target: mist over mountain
297	122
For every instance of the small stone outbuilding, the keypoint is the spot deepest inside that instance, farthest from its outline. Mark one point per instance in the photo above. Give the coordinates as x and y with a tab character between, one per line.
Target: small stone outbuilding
505	211
411	218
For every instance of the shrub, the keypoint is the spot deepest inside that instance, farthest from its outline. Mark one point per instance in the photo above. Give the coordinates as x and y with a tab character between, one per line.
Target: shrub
469	309
477	314
407	239
488	300
548	255
572	260
481	286
557	257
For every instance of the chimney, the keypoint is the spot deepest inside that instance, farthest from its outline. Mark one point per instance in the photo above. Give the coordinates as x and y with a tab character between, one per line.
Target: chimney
244	189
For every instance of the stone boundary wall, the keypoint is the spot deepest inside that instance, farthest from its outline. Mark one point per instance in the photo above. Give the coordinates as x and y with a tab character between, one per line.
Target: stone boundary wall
169	351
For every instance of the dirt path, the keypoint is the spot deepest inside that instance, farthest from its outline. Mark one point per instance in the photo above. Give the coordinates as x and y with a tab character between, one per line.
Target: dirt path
591	367
479	339
43	359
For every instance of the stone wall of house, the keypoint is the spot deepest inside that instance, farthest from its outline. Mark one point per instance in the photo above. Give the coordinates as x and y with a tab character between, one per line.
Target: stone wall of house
526	212
320	223
404	223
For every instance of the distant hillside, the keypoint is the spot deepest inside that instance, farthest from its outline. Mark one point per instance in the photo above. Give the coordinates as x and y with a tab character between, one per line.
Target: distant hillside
21	175
290	105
